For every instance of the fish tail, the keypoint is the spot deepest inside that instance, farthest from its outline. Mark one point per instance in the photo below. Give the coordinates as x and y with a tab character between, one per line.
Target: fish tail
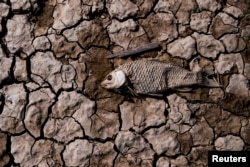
207	79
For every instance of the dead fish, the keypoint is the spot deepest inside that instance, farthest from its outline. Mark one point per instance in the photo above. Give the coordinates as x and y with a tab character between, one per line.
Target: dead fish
154	77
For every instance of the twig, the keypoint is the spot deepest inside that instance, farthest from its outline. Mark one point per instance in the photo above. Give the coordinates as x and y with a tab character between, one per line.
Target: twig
135	51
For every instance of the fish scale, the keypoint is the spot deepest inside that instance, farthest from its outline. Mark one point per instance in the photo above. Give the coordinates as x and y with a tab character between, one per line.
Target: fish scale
146	76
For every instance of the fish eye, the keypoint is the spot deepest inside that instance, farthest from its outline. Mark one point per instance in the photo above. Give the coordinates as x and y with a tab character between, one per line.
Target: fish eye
109	77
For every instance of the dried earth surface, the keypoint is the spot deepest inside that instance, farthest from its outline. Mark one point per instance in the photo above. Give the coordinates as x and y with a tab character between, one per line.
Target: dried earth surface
53	111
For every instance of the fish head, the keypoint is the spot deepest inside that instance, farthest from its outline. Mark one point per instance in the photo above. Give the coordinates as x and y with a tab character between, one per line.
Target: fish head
114	80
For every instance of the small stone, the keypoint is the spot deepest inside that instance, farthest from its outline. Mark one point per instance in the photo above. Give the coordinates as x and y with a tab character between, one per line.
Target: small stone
121	9
139	116
183	48
88	33
200	21
163	141
163	161
18	37
208	46
41	43
122	33
13	110
63	48
201	133
20	148
233	43
229	143
211	5
20	70
238	85
67	14
234	11
5	64
63	130
129	143
219	28
78	153
160	27
37	110
226	62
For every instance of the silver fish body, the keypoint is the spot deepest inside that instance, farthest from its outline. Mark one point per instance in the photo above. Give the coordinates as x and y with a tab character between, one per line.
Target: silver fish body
154	77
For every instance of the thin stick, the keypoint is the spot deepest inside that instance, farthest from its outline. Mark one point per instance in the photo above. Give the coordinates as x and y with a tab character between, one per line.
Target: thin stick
135	51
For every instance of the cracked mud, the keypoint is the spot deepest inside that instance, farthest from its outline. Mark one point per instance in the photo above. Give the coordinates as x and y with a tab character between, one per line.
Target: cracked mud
53	111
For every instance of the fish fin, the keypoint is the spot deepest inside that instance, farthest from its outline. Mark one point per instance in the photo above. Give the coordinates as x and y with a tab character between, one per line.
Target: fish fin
184	89
155	95
133	92
207	79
